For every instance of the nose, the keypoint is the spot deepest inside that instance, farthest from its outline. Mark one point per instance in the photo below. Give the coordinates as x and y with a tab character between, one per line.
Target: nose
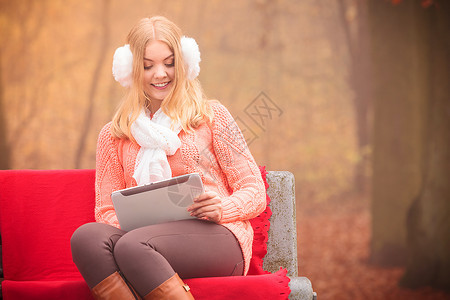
160	71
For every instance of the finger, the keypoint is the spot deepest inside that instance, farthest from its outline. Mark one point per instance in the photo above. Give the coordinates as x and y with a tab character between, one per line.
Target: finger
205	196
207	211
214	216
204	209
204	203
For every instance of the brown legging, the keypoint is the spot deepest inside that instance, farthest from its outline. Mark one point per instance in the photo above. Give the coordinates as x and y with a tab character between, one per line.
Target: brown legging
150	255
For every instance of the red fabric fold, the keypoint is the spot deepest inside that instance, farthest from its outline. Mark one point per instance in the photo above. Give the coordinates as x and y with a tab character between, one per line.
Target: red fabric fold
261	227
46	290
273	286
39	211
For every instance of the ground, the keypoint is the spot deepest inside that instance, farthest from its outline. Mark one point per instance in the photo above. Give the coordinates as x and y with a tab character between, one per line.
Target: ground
333	246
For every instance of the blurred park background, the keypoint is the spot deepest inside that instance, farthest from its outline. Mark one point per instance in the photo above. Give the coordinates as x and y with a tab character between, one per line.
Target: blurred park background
351	96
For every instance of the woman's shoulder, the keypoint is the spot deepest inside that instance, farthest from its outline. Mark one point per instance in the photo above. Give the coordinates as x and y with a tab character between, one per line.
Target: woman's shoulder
105	132
216	105
105	137
220	112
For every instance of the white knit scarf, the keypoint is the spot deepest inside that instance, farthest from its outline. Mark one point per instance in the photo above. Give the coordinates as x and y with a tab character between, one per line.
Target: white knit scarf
157	140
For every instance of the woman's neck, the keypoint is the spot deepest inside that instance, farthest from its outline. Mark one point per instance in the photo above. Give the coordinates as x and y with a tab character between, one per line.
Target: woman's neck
153	106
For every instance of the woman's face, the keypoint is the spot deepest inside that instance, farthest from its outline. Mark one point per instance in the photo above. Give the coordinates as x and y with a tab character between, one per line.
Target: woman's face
159	71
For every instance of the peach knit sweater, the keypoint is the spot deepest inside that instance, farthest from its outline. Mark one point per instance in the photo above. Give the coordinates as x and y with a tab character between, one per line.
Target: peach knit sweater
216	150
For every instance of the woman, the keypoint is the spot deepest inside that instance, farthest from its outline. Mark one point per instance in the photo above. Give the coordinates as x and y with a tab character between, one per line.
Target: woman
165	127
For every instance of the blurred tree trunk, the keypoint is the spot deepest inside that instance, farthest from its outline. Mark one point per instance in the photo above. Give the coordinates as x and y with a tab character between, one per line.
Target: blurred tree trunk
400	91
4	147
104	19
429	217
29	28
356	36
411	165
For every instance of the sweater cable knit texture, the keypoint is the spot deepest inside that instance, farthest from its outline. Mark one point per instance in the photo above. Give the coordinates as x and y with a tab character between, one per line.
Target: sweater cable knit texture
216	150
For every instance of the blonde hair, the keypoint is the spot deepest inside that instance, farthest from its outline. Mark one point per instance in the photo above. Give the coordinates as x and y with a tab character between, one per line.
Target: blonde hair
186	103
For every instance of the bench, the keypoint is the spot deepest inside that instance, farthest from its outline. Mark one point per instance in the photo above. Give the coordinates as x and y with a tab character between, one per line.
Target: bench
50	273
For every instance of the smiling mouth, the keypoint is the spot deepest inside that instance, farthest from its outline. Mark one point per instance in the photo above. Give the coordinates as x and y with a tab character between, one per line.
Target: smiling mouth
160	85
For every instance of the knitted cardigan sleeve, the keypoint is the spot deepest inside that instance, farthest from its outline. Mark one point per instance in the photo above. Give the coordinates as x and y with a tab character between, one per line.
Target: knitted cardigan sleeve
247	199
109	176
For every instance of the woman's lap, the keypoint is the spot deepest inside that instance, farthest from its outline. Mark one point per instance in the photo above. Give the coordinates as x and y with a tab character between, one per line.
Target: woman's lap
149	255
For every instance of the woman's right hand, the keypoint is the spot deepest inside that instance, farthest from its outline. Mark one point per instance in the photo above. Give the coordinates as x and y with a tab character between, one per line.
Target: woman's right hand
207	206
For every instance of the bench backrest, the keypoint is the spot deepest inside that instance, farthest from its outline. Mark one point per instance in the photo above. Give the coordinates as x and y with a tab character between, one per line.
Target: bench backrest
39	211
39	208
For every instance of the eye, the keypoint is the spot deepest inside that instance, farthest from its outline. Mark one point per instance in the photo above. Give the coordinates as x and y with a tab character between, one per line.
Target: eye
147	67
170	65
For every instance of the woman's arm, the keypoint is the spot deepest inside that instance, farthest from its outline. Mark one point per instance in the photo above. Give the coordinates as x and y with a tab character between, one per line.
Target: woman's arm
109	176
248	198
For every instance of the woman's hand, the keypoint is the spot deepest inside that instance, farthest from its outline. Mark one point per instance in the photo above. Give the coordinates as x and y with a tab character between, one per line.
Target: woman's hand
207	206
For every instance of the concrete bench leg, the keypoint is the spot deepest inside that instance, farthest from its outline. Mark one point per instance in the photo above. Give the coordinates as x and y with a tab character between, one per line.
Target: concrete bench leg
282	239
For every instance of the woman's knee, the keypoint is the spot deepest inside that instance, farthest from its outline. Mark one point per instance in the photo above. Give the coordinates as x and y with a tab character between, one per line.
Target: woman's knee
89	236
128	246
138	259
81	237
92	247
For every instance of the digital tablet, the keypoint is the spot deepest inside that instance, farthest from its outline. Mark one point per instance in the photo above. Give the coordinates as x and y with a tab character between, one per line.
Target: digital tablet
156	202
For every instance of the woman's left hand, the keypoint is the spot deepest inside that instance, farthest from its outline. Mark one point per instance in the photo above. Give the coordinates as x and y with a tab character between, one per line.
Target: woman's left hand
207	206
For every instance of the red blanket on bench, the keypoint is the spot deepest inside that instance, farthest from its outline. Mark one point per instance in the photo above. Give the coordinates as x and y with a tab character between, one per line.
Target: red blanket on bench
39	211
